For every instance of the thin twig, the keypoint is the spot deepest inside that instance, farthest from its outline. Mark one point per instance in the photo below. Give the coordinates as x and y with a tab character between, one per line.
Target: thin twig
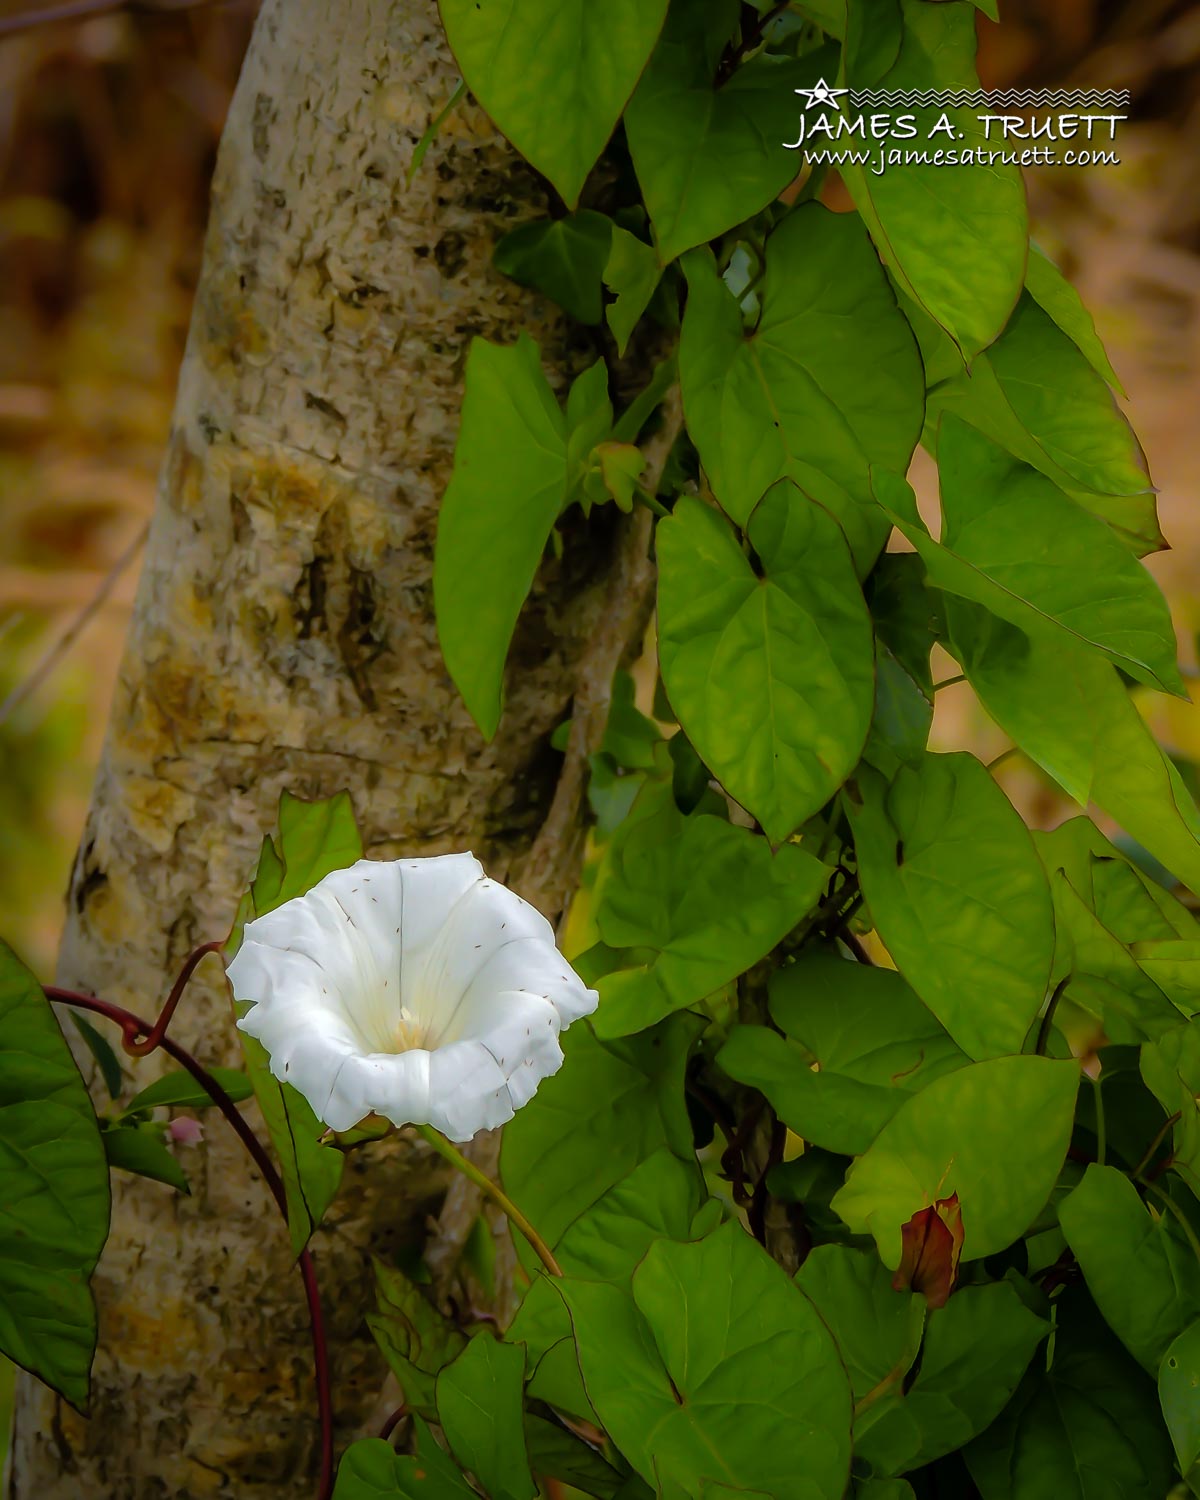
1180	1217
835	927
1101	1123
1043	1035
78	625
736	55
1168	1126
856	947
551	861
833	908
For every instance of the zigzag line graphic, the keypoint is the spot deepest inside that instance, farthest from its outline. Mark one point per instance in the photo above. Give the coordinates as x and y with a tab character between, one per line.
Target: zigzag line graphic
983	99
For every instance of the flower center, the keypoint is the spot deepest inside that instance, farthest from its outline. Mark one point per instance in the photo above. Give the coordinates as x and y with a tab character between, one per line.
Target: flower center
409	1032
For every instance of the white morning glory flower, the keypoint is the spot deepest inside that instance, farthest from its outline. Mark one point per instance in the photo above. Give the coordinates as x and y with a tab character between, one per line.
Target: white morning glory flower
416	989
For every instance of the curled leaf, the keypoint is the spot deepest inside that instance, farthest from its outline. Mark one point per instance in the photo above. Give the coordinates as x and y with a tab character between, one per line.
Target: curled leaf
932	1241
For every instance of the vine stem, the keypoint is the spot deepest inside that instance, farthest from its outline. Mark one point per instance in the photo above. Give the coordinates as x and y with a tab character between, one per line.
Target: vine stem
1043	1036
1101	1128
1168	1125
133	1028
889	1382
1179	1215
155	1036
496	1193
547	871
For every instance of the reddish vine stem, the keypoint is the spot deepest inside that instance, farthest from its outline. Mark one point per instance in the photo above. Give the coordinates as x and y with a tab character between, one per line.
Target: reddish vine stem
856	947
133	1028
393	1421
155	1036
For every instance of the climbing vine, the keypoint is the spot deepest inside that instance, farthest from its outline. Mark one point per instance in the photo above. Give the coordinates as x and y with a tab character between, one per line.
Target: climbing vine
875	1170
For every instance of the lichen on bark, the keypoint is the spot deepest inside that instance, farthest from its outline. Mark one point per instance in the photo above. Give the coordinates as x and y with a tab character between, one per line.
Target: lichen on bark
283	637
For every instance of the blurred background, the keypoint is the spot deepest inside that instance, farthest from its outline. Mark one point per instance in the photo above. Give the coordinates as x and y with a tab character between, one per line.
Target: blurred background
108	132
109	120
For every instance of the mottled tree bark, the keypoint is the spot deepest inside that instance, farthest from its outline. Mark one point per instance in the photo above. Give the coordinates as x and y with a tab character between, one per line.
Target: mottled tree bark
283	638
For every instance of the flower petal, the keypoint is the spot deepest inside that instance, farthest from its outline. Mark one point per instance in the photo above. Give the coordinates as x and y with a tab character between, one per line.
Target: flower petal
523	1034
394	1085
372	892
467	1090
275	977
316	926
536	967
487	917
432	889
298	1018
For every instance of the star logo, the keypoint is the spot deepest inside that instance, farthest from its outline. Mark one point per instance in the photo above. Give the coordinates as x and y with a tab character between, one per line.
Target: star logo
821	94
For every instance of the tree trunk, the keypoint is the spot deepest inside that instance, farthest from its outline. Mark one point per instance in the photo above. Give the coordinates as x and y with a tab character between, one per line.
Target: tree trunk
283	638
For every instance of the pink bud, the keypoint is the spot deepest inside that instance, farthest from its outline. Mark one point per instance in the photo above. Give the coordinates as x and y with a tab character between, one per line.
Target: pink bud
186	1131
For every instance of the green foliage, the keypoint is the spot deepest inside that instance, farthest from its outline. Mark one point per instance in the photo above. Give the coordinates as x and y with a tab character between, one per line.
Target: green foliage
779	834
659	1198
611	1106
414	1337
314	839
857	1043
372	1470
54	1195
520	459
1179	1389
957	892
565	258
479	1405
553	74
556	1453
181	1091
631	273
665	1368
925	1382
944	1140
1055	295
1139	1266
669	934
827	383
142	1150
917	214
101	1049
710	153
1083	1425
1069	711
1171	1069
1081	587
770	670
1034	392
